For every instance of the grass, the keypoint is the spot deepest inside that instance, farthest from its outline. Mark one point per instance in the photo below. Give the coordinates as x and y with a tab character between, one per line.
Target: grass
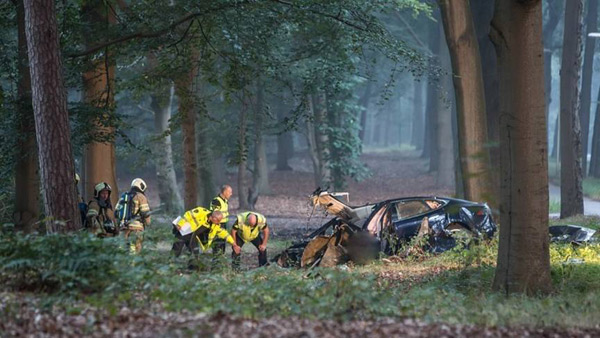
554	206
454	287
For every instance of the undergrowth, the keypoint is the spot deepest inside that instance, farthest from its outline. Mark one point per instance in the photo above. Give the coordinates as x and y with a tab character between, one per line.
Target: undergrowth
78	271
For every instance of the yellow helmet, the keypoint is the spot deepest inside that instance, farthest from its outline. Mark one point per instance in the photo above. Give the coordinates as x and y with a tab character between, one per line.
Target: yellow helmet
102	186
139	184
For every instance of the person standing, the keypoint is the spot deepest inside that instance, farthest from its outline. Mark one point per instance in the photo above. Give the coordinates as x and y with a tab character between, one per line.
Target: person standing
221	203
100	218
139	218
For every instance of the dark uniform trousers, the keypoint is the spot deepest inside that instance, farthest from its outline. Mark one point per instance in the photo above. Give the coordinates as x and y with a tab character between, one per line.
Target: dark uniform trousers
262	255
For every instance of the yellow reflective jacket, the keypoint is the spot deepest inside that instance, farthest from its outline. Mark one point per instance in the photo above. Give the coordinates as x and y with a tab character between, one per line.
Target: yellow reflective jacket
246	232
221	204
198	218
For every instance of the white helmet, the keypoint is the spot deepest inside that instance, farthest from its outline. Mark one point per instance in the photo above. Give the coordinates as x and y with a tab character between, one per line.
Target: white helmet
102	186
139	184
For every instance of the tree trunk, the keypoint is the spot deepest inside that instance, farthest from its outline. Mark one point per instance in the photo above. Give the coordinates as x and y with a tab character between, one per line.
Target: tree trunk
184	91
311	139
482	12
242	156
554	16
432	109
571	194
323	151
27	184
168	191
285	142
261	166
207	188
364	111
470	99
417	125
444	102
57	169
523	254
595	160
99	162
586	81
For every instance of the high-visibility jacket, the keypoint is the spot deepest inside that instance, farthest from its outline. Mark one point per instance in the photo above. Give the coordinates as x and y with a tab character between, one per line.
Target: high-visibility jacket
221	204
245	231
198	219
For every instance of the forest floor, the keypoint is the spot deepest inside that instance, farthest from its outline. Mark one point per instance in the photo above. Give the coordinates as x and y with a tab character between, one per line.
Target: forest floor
447	295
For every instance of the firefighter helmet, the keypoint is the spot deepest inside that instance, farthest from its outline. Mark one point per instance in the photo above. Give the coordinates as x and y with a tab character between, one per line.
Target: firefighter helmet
139	184
101	186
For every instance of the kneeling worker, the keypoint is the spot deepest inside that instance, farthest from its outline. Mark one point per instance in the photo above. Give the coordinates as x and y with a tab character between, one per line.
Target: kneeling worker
199	226
248	228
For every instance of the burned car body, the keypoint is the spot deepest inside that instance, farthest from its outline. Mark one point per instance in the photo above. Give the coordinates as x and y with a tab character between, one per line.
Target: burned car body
356	231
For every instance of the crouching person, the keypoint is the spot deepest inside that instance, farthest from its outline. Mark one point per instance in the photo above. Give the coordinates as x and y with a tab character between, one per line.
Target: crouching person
248	228
199	227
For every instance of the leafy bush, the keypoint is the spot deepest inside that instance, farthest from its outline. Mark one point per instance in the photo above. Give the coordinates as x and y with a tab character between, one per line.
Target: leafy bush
63	263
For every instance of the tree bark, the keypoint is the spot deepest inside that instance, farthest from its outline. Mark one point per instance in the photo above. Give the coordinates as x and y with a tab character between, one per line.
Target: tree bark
417	123
364	111
323	151
431	109
586	81
168	191
53	136
571	194
444	102
185	93
523	255
261	166
595	160
206	176
27	183
285	141
470	99
554	16
242	155
99	162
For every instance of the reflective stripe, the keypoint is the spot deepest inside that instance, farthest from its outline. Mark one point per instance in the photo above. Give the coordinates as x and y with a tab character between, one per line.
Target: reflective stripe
223	208
246	232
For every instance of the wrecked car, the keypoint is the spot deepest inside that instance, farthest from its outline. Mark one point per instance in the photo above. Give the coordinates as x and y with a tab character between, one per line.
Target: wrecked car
360	233
573	234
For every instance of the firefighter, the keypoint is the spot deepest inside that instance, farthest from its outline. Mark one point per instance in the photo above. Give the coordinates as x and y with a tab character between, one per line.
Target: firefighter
100	218
248	228
199	227
221	203
140	216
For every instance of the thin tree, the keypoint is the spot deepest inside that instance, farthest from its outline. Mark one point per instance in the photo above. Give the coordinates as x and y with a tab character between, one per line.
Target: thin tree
470	99
57	169
586	80
523	254
571	193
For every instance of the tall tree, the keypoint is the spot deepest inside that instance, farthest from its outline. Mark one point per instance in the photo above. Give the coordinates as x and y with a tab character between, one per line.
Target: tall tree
168	191
184	91
595	160
99	163
27	184
470	99
571	193
444	113
51	117
523	254
242	154
586	80
285	141
417	136
260	175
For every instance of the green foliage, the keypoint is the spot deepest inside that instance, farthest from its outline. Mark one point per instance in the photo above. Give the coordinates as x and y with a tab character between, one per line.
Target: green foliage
61	263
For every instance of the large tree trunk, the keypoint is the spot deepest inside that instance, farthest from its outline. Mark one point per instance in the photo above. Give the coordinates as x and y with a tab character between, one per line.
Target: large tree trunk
242	156
57	169
417	123
444	103
99	162
571	194
555	10
168	191
184	91
595	160
27	184
482	12
431	108
523	253
470	99
586	81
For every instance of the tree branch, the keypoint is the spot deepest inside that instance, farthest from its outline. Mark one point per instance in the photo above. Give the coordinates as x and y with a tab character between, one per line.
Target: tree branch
331	16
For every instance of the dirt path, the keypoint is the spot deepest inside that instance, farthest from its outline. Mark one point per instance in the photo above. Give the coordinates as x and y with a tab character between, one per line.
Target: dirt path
590	207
